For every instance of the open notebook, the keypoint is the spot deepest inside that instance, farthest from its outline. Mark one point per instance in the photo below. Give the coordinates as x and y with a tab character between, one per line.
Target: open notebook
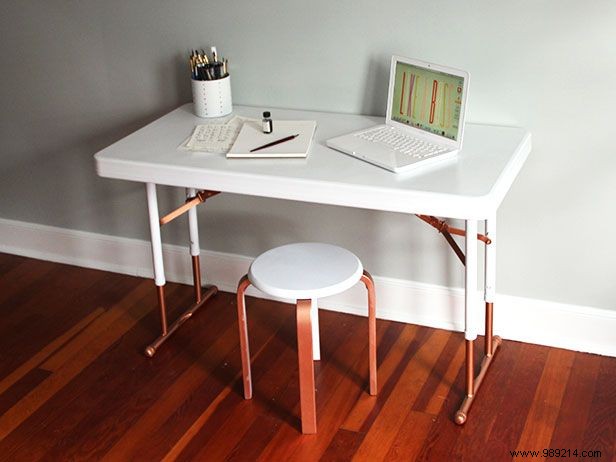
251	136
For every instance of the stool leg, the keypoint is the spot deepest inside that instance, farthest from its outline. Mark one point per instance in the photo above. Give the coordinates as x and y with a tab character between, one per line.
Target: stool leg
306	368
243	328
369	283
316	340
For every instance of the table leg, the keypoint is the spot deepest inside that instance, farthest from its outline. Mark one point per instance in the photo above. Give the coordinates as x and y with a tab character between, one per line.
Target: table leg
491	342
470	333
159	272
193	232
157	254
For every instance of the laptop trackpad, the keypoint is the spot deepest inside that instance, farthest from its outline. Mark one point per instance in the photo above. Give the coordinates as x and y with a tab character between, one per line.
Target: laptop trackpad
377	153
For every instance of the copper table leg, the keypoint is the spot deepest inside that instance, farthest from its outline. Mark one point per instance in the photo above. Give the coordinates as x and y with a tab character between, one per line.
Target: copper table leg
159	271
473	383
200	298
166	333
491	342
489	347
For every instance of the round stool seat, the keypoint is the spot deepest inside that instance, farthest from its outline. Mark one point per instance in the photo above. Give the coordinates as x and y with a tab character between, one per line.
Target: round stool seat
305	271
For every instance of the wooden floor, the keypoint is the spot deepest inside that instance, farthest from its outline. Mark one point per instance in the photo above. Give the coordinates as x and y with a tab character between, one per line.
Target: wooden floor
74	384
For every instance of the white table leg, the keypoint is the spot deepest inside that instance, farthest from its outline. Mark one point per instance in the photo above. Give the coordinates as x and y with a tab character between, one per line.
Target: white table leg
193	232
470	301
316	344
470	284
157	254
490	284
193	227
157	247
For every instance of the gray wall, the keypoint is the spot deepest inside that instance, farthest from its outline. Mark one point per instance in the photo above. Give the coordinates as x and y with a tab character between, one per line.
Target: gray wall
78	75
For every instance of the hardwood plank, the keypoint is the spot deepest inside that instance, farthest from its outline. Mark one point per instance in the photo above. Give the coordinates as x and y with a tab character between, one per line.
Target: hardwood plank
137	389
512	414
48	350
437	385
21	387
8	262
257	438
92	341
383	431
64	411
343	446
442	437
197	444
410	437
365	411
543	413
46	316
23	278
575	406
60	424
408	443
600	434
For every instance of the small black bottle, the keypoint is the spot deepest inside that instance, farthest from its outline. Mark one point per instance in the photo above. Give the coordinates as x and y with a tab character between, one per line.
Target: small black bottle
268	126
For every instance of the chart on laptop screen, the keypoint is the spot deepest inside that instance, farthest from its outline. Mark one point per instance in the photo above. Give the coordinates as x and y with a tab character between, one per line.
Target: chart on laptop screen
427	99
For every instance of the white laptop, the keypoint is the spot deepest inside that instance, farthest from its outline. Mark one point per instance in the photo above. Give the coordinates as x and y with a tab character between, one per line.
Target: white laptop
424	122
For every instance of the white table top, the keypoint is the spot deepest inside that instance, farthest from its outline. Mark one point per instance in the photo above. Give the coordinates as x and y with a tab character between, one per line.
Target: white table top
470	187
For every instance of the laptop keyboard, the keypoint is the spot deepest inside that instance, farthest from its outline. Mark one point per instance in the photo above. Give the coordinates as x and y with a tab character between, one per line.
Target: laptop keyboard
414	147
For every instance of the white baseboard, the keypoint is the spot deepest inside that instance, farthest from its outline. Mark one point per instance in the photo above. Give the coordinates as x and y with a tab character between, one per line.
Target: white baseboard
574	327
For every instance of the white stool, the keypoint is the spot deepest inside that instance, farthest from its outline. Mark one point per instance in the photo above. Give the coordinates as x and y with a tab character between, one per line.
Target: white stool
305	272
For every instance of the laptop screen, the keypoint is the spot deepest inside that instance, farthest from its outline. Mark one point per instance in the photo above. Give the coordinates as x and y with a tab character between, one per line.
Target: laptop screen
427	99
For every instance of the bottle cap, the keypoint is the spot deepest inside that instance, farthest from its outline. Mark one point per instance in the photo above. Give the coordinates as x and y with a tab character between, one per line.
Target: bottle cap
266	114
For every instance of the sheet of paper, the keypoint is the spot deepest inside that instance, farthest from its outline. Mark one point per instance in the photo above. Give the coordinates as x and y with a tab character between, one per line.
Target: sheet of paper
214	137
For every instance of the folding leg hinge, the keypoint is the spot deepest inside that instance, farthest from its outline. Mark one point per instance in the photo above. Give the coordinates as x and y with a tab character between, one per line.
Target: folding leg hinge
191	202
447	231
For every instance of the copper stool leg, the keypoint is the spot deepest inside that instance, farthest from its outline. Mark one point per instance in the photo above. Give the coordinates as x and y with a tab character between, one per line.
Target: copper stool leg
306	368
369	283
243	329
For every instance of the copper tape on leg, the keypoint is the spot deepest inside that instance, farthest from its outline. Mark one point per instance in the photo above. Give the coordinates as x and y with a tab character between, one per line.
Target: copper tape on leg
462	413
369	283
185	316
470	367
196	267
160	293
489	351
306	368
243	330
190	203
470	386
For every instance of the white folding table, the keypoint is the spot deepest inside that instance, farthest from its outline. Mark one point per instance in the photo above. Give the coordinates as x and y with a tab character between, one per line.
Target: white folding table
470	188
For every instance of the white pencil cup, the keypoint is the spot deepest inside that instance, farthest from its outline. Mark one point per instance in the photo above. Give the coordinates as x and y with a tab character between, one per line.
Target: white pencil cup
212	98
